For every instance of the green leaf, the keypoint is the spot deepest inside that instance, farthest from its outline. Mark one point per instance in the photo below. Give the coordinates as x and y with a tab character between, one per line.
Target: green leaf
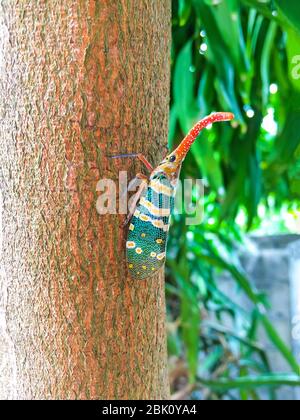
251	382
254	190
174	344
289	140
190	320
172	125
184	89
266	61
290	11
211	360
205	92
204	155
227	18
293	52
279	344
219	56
262	7
184	11
226	331
241	279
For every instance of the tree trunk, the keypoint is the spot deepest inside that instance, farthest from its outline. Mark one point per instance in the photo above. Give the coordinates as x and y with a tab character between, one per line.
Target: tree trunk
78	80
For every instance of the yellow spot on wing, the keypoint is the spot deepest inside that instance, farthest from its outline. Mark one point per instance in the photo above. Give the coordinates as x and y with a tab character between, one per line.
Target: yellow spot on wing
160	225
161	256
144	218
139	250
130	244
131	226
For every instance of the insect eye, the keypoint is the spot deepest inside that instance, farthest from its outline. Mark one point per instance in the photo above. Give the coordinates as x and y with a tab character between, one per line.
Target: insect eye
172	158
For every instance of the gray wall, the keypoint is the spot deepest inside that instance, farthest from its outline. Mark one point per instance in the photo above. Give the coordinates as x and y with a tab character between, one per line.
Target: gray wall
273	265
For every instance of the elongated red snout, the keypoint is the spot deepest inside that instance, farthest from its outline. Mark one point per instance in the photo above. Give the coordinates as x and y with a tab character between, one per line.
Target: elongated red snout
186	143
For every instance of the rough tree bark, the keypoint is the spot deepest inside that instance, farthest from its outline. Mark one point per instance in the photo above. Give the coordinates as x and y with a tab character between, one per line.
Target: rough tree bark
78	80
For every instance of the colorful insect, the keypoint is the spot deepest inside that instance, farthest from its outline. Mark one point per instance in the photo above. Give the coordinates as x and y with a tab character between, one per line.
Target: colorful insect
149	213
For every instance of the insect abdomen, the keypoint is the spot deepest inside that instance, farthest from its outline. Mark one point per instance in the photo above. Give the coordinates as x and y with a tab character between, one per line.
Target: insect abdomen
148	229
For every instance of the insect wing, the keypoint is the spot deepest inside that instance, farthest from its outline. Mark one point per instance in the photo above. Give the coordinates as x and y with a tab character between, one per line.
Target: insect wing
148	229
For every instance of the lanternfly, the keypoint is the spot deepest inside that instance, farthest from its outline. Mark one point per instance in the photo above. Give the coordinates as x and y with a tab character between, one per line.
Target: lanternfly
149	215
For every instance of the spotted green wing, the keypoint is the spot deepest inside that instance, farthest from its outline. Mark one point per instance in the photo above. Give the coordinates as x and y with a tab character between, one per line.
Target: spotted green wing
148	230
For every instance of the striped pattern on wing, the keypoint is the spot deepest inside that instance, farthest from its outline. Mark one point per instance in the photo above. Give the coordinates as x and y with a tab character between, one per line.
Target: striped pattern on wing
148	229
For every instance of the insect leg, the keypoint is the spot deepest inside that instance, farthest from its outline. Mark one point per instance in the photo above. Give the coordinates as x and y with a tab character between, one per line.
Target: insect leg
145	161
133	184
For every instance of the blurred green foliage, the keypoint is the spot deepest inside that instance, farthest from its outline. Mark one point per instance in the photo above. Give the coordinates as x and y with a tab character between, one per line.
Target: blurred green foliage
243	57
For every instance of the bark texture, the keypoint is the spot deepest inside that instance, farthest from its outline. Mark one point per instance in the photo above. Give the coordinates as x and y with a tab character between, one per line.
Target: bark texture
78	80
